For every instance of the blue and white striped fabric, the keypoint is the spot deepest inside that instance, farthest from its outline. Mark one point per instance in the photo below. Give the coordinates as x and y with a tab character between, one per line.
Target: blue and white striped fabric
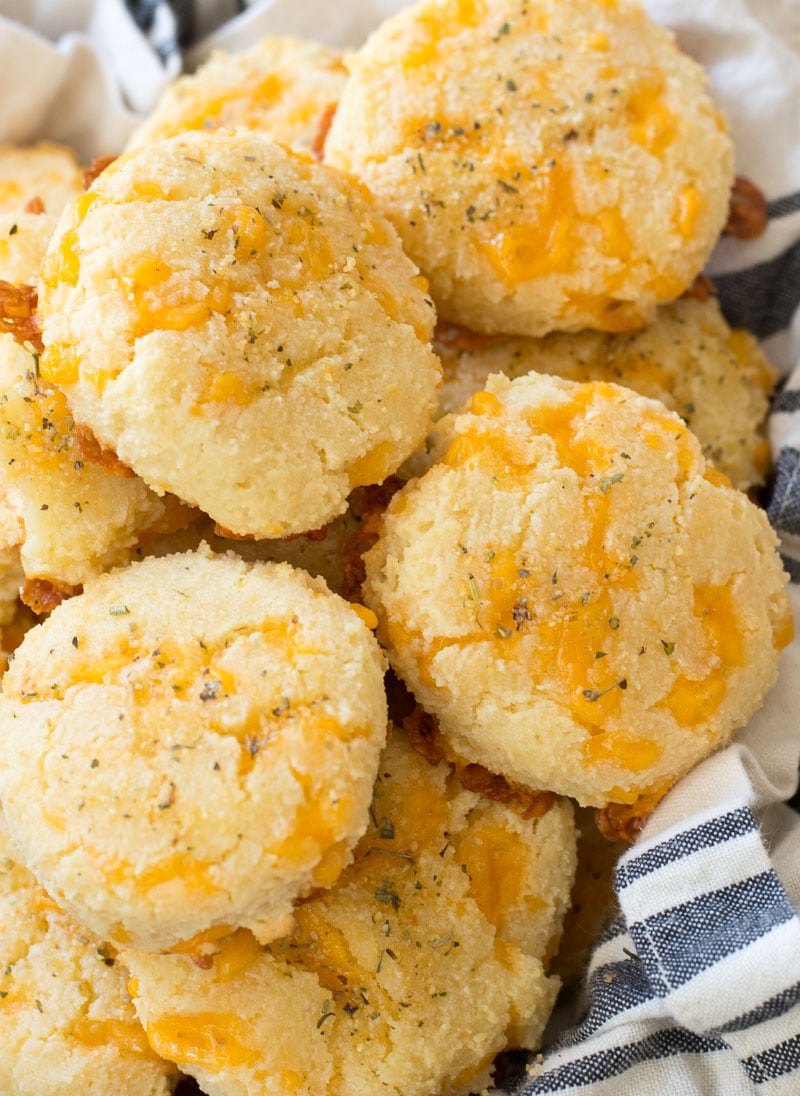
171	26
168	26
784	505
696	988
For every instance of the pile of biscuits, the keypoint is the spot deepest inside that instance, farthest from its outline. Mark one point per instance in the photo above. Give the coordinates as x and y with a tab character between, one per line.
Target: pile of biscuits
397	362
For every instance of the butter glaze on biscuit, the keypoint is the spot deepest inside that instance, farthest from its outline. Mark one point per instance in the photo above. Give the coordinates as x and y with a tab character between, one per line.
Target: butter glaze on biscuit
191	743
549	164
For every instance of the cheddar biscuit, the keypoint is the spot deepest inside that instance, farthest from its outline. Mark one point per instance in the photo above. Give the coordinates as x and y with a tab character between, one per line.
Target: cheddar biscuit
13	359
46	171
68	516
285	87
717	379
214	302
583	603
451	900
191	743
68	1023
78	517
23	241
11	577
550	166
15	620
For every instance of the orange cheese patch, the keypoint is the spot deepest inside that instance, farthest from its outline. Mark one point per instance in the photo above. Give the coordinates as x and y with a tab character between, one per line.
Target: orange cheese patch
692	702
63	265
127	1035
492	856
237	106
652	123
545	242
435	25
207	1039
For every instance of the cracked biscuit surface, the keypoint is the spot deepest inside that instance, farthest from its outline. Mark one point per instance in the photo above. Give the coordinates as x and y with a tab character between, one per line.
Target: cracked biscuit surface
549	165
451	900
241	326
583	603
191	743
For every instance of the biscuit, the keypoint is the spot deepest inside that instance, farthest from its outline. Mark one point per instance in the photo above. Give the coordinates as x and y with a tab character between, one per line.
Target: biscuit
15	361
68	1023
191	743
213	303
451	900
582	602
71	517
23	241
717	379
12	576
12	359
78	518
11	580
48	172
282	86
549	166
15	620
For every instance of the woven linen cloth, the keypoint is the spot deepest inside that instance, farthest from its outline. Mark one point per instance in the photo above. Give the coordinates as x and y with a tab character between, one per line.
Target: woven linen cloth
695	987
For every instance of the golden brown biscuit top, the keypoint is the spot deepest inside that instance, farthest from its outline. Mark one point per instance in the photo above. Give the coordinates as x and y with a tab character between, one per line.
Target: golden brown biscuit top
213	302
517	145
281	86
597	605
234	692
